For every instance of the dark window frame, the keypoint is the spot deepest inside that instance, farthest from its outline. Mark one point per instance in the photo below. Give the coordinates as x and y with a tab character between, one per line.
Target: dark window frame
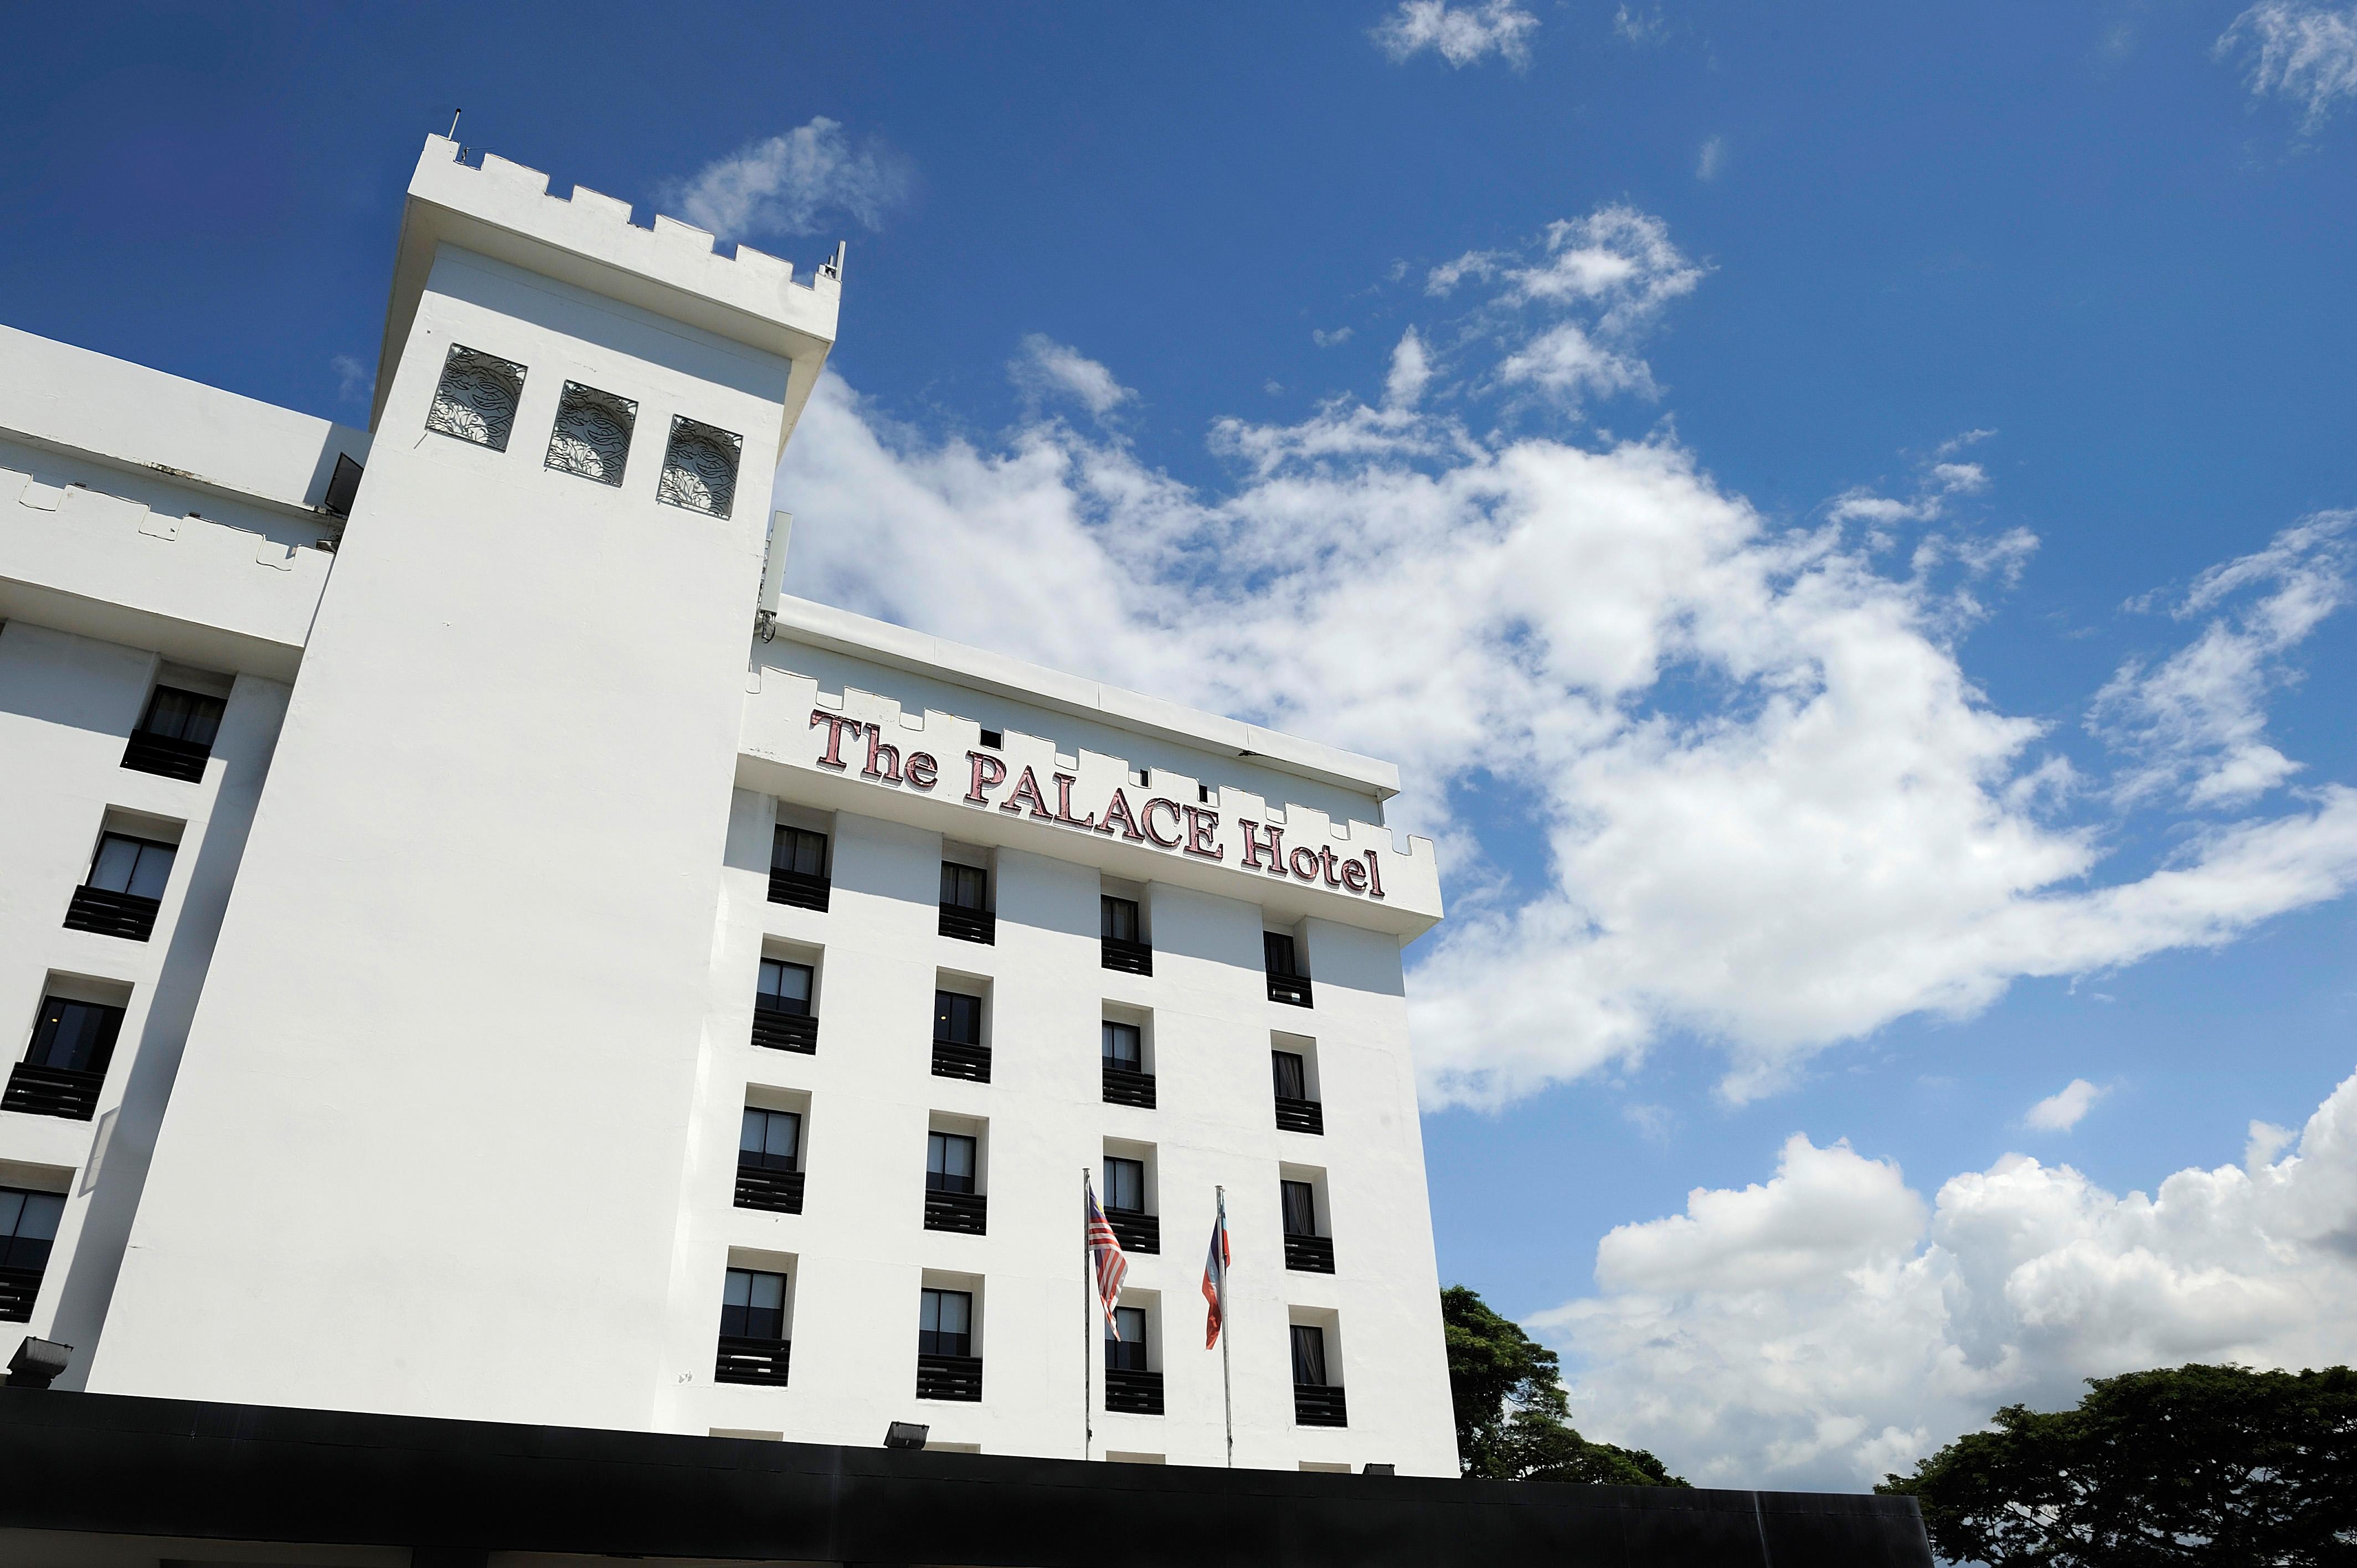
751	1320
1113	1030
761	1154
947	1013
1311	1366
777	1001
1119	1173
941	1148
49	1023
787	845
933	1302
141	849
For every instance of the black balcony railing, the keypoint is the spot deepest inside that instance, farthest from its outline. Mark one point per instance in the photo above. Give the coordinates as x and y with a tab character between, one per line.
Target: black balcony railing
1300	1115
953	1060
113	914
1130	958
758	1187
18	1289
782	1031
744	1360
161	753
1123	1086
1136	1231
52	1091
1132	1393
966	1211
1309	1254
802	892
1289	988
1316	1406
969	925
950	1378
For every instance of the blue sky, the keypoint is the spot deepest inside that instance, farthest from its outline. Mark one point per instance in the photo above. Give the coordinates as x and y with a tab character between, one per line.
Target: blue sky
1839	473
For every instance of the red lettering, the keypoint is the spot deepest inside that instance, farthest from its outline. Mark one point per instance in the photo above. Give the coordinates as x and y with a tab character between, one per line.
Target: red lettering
883	761
1305	852
1064	782
1200	825
835	724
923	771
989	773
1027	791
1117	810
1326	866
1172	842
1354	877
1273	848
1374	877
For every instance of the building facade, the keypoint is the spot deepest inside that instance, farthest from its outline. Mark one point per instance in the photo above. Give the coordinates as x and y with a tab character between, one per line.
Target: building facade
478	952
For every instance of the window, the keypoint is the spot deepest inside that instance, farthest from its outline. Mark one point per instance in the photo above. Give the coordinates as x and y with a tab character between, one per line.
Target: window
945	1322
1125	1185
1124	1046
74	1036
189	717
699	469
1292	1076
1309	1355
137	867
476	400
1301	1203
1277	952
964	886
753	1305
1125	1340
949	1162
1120	919
29	1225
770	1141
785	987
957	1018
592	437
799	853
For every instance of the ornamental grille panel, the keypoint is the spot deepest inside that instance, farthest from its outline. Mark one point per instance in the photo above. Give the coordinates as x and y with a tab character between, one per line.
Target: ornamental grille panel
1123	1086
52	1091
592	437
477	397
1300	1115
166	757
1129	958
1132	1393
109	914
969	925
1136	1231
950	1378
700	467
1291	989
1309	1254
18	1289
800	892
1318	1406
779	1192
785	1031
952	1059
967	1212
744	1360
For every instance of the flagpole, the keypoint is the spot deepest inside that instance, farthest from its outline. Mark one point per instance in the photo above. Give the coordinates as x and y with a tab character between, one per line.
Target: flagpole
1088	1318
1227	1399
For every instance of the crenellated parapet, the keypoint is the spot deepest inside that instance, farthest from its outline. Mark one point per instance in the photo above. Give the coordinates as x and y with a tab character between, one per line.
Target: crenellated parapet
859	751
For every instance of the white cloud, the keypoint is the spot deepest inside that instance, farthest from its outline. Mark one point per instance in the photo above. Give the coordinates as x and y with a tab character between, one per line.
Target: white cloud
1640	24
1334	339
1045	367
2065	1108
1823	1328
1462	35
793	184
1777	812
1712	160
2196	721
2299	51
353	382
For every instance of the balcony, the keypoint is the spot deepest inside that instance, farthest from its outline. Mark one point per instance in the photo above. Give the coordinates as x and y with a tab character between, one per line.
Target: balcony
1132	1393
1317	1406
799	891
779	1192
1309	1254
782	1031
969	925
967	1212
124	915
1290	989
1123	1086
950	1378
18	1289
162	755
744	1360
1136	1230
52	1091
1129	958
1300	1115
954	1059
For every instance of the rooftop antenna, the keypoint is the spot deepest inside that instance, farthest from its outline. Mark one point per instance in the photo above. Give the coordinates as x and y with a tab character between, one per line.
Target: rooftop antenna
453	124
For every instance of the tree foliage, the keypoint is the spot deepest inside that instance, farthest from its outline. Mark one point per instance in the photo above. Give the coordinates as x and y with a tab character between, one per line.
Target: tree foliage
1512	1417
2191	1465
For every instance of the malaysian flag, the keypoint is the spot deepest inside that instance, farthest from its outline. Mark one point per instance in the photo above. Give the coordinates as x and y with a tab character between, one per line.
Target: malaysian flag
1215	1278
1104	1258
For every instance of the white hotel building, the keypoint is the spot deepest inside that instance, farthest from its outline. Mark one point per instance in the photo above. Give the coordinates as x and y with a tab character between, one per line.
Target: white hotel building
474	951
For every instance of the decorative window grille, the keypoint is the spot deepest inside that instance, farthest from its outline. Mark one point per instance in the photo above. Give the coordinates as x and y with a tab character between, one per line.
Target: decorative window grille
700	467
476	400
592	437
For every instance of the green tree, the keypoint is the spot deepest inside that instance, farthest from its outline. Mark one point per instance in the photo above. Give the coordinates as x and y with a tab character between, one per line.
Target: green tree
1512	1417
2191	1465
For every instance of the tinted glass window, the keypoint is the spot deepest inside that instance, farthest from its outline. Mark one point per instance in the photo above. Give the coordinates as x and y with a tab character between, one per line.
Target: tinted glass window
1124	1046
1292	1080
1126	1351
1309	1355
1300	1208
770	1139
949	1163
1125	1184
29	1223
962	887
957	1017
799	851
76	1035
753	1305
945	1322
137	866
1276	950
175	714
785	987
1121	919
